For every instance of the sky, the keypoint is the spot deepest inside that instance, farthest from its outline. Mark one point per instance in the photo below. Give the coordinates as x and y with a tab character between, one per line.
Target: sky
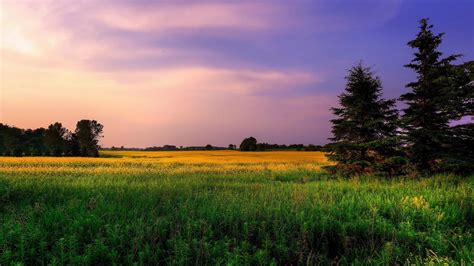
198	72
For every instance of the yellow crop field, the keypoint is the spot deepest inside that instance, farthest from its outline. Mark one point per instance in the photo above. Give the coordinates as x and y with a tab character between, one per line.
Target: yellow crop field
166	161
224	156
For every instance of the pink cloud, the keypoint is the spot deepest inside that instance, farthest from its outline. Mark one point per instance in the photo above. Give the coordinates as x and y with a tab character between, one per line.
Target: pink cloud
169	16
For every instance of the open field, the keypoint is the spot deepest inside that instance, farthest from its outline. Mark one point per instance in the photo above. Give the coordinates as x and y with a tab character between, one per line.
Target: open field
216	207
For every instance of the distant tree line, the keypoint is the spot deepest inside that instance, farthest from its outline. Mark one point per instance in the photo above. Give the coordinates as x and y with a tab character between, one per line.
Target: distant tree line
168	148
55	140
251	144
259	147
433	133
164	148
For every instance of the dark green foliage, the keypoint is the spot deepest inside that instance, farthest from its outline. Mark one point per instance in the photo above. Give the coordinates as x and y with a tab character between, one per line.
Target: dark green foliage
88	133
33	142
154	148
18	142
458	90
11	140
53	141
312	147
74	147
249	144
459	156
365	130
441	94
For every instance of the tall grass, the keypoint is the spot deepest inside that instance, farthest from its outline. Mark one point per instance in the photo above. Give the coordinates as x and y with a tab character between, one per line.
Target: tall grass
158	209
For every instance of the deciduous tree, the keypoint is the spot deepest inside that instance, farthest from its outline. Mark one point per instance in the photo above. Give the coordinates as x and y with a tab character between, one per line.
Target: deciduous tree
88	133
249	144
55	139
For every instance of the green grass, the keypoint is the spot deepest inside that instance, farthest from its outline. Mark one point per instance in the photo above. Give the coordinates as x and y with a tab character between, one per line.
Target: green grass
237	216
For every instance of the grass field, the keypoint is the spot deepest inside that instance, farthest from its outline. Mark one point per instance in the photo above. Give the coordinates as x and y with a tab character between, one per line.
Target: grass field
225	207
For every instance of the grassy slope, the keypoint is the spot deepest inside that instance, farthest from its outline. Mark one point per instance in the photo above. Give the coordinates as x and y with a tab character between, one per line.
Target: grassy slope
225	207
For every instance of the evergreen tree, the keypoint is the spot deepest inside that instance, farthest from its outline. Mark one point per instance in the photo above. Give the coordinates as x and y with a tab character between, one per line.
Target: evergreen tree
365	130
459	151
439	96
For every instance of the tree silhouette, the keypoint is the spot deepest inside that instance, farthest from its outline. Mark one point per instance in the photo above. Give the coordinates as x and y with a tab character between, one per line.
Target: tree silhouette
55	139
249	144
88	133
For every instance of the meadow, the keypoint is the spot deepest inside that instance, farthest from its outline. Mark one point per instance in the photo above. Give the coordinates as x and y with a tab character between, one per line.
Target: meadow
226	207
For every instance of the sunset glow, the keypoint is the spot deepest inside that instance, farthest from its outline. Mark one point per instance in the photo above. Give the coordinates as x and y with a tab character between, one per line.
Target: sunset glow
198	72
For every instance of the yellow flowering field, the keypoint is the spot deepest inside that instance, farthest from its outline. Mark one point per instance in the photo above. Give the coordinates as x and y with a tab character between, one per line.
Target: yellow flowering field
188	161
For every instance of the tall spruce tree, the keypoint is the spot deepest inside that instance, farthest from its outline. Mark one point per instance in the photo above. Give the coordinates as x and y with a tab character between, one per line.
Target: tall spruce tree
459	155
438	97
365	130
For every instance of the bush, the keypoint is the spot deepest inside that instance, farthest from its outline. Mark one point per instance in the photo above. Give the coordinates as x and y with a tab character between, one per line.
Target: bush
393	166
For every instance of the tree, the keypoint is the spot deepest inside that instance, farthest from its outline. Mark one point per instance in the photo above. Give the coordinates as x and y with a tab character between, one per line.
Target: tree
457	90
55	139
439	96
209	147
364	132
458	154
11	138
74	147
312	147
34	142
231	147
3	131
249	144
88	133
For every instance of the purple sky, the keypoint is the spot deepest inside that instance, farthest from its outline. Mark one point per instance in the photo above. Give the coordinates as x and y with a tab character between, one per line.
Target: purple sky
198	72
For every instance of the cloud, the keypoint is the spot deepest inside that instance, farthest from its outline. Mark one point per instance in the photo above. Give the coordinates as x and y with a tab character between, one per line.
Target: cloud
140	68
211	79
193	15
149	34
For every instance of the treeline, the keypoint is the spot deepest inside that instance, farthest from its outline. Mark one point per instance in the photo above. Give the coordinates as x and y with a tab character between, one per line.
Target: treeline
55	140
432	134
251	144
168	148
256	147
